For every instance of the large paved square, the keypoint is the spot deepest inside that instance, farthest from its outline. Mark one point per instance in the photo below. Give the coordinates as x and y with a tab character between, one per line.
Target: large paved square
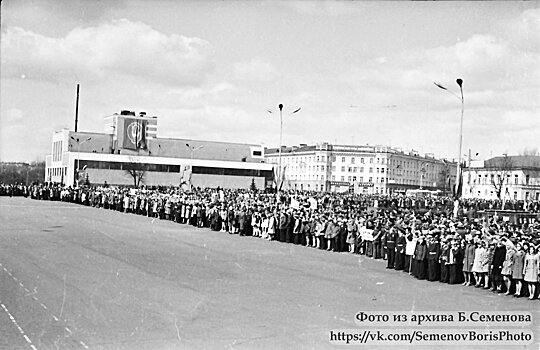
76	277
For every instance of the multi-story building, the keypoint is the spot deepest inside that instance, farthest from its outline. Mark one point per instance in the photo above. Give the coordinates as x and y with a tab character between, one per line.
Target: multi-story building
504	177
362	169
129	152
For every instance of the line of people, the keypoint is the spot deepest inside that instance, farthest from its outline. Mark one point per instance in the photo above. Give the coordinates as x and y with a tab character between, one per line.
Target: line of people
428	244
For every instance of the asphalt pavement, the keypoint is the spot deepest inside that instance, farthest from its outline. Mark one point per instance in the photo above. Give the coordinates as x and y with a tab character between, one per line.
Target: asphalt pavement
75	277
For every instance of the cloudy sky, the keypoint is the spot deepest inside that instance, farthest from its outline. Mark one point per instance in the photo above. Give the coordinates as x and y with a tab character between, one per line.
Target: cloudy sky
362	72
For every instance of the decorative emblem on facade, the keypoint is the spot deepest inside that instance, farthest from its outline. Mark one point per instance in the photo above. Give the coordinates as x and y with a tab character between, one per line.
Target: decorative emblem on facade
135	132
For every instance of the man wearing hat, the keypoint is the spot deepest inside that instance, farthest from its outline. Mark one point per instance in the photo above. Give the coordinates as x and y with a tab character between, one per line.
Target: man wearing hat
391	238
443	259
400	249
433	255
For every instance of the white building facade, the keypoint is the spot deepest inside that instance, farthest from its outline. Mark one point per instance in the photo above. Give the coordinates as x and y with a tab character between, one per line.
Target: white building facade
359	169
506	177
129	152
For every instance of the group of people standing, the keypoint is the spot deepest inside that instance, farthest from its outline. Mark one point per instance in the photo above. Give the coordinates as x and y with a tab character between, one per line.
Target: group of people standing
416	237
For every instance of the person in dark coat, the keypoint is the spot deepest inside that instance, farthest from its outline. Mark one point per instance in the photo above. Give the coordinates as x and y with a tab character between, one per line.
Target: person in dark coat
497	264
443	259
177	213
341	239
383	243
391	238
282	228
215	220
230	220
242	222
290	227
455	263
400	250
433	255
297	229
377	234
420	255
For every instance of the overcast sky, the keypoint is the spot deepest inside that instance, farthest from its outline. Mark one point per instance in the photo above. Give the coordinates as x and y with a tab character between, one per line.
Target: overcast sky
362	72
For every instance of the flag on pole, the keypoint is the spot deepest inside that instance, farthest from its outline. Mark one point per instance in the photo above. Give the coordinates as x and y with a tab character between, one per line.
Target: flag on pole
282	177
458	186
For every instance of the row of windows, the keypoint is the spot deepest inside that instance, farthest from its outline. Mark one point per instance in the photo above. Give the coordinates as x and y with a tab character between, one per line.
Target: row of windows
485	181
305	177
57	151
165	168
360	169
301	159
56	172
310	168
362	160
418	164
232	172
94	164
360	179
528	195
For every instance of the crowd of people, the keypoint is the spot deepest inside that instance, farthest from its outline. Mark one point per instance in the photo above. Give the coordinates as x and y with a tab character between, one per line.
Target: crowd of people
14	190
418	236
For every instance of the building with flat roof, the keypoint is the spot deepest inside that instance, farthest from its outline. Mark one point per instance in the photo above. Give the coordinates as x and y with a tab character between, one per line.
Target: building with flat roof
360	169
503	177
129	152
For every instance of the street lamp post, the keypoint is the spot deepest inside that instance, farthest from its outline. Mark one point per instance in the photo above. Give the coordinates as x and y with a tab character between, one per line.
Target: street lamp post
423	171
280	106
459	81
79	143
192	150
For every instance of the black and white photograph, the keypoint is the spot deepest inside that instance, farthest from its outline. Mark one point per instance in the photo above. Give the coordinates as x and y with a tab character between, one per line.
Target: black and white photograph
234	174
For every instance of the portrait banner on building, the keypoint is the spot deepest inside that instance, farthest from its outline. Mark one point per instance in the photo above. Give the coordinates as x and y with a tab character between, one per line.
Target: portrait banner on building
134	134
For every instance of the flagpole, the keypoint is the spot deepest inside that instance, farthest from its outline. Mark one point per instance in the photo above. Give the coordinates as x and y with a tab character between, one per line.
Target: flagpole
458	173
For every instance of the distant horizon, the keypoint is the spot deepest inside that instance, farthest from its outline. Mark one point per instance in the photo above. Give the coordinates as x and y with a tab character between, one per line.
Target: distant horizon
394	147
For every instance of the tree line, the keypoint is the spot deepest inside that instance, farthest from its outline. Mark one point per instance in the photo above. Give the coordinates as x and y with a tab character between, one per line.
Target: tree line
22	173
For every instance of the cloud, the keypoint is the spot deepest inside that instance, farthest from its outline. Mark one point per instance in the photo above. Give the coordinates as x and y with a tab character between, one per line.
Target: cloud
212	122
326	8
116	49
14	115
493	70
524	32
256	70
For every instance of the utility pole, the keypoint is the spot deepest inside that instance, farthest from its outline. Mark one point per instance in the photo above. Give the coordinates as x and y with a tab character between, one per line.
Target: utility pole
77	109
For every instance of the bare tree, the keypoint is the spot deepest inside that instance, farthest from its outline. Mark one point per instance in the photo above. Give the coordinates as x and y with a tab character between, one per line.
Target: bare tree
530	152
501	168
136	170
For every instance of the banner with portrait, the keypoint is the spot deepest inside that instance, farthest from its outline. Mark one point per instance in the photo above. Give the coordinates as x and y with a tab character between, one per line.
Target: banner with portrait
134	134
